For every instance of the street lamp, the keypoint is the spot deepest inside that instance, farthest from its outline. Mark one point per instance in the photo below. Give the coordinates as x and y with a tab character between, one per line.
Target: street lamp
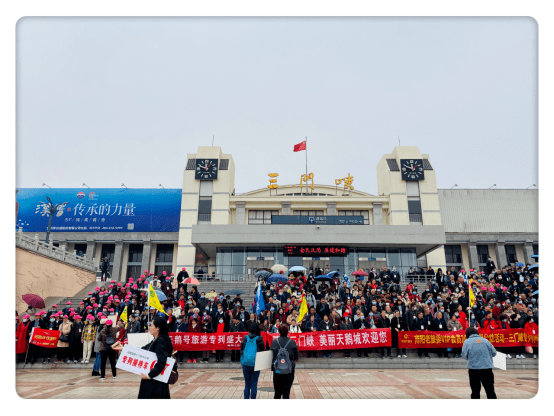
455	186
493	185
124	185
52	209
45	185
530	186
84	184
161	185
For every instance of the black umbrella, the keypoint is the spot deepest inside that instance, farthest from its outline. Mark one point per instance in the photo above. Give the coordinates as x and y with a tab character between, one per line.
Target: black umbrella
323	277
234	292
263	273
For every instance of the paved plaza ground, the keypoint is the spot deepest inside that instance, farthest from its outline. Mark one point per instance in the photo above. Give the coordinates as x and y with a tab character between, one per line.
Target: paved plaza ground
308	384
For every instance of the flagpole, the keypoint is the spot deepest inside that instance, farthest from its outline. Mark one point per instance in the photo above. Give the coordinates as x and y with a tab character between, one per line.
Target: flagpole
307	165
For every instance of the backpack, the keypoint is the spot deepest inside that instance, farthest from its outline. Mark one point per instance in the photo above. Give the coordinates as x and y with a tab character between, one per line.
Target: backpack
110	340
248	357
282	363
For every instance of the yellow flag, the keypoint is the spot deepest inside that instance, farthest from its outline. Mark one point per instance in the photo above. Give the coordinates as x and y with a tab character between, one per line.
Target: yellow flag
153	300
123	316
471	295
303	309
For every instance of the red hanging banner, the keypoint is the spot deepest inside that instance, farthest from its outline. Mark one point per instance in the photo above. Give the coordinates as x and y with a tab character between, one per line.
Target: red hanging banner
45	338
455	339
309	341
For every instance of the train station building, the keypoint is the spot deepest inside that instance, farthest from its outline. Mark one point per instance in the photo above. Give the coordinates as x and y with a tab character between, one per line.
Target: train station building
409	223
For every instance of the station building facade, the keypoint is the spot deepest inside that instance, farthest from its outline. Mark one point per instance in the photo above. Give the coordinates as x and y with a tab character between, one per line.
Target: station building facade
409	223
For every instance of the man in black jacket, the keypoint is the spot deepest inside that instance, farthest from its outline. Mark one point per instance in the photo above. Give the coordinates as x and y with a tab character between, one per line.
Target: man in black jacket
384	322
439	324
323	308
420	324
104	266
490	266
236	326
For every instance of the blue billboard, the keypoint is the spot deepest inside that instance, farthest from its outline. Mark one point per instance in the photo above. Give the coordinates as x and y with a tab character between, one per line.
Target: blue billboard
100	210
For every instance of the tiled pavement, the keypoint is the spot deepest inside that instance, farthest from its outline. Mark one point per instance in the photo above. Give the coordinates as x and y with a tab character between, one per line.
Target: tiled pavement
308	384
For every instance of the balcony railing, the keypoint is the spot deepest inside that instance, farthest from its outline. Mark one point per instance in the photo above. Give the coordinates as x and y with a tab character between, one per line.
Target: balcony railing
416	219
49	250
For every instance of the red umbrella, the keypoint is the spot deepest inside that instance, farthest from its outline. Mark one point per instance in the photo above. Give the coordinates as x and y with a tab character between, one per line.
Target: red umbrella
191	281
359	273
34	301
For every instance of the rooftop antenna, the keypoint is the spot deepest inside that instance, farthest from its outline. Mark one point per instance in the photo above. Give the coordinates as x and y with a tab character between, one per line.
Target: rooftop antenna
398	140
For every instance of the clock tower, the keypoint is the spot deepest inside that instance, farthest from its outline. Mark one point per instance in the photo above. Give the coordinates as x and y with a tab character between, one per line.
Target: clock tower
208	181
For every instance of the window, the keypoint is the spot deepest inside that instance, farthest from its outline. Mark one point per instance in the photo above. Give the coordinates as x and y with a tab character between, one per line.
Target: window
510	253
453	255
231	263
164	253
80	248
133	271
261	217
535	249
158	269
108	251
483	254
312	213
135	253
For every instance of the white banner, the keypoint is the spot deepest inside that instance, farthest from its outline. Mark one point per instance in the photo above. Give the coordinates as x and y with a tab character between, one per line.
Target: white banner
263	360
139	340
499	361
138	361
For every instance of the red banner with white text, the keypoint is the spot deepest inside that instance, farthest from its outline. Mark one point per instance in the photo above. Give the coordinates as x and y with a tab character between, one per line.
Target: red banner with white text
309	341
45	338
455	339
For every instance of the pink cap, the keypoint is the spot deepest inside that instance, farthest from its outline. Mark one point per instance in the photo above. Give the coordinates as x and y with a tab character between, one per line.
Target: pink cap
90	293
142	276
90	317
71	314
119	284
110	286
113	281
37	314
68	303
131	279
26	316
135	287
110	297
498	284
56	314
111	309
483	288
145	272
54	306
462	270
471	270
43	312
117	297
97	288
95	305
65	316
117	301
128	285
100	314
172	274
89	307
184	268
491	289
81	303
164	272
109	322
78	316
504	288
71	309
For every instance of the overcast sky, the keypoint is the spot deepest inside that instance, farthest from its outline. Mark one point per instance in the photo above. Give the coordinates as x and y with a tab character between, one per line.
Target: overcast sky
107	101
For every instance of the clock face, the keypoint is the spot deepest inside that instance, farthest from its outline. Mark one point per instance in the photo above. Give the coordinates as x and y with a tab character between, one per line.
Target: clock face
412	169
206	169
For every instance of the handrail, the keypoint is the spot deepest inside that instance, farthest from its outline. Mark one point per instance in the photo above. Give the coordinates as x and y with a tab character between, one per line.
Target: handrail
48	250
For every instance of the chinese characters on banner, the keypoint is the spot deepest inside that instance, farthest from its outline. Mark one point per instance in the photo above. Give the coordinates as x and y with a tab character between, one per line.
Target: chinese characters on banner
45	338
296	250
335	340
139	361
455	339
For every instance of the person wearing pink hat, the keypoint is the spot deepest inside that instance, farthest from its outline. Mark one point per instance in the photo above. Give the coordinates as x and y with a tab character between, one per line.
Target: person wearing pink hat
62	350
22	335
107	338
88	336
181	276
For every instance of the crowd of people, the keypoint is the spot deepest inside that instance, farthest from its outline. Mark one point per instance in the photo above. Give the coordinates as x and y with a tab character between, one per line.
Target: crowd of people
505	298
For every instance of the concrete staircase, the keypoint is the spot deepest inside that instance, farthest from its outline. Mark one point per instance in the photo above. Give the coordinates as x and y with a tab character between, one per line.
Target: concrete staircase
246	287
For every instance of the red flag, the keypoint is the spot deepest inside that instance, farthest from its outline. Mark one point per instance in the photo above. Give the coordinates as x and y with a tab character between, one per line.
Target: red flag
300	146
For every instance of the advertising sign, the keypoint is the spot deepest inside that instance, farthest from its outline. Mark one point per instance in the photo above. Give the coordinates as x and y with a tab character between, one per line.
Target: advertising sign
100	210
319	219
321	251
138	361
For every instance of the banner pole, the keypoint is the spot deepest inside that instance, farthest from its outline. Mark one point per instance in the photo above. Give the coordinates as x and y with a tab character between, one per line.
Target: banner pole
28	345
307	164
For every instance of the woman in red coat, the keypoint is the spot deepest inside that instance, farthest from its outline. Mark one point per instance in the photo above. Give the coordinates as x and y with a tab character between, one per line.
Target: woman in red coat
22	338
532	328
